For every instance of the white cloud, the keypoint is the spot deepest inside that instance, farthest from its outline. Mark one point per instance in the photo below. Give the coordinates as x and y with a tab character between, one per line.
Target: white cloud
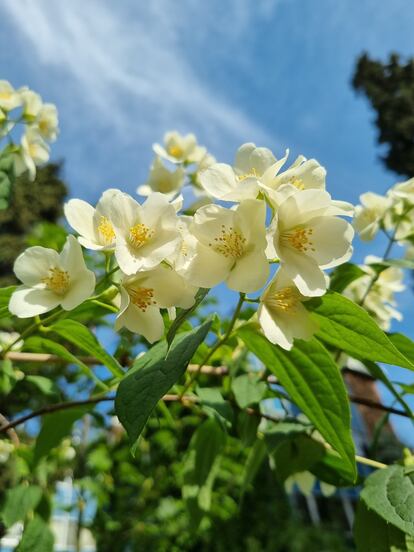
129	60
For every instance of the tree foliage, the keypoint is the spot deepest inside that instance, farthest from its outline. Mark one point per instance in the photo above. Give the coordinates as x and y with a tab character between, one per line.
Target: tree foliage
389	87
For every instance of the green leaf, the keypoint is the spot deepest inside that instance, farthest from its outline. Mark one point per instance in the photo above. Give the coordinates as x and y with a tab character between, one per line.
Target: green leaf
209	441
373	534
41	344
404	344
347	326
45	385
7	377
5	294
247	426
37	537
183	314
332	469
312	380
213	403
83	338
248	389
390	493
297	454
152	376
55	427
254	460
344	275
19	502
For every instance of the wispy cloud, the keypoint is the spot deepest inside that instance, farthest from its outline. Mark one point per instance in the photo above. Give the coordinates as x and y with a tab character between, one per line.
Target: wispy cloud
131	61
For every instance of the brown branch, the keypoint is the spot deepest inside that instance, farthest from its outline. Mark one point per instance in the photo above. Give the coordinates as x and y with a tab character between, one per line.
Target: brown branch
49	409
9	430
207	370
378	406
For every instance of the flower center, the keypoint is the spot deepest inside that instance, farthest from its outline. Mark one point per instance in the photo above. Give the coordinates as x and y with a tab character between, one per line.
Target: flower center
58	280
285	299
106	230
297	182
250	174
299	238
43	125
175	151
229	243
5	95
139	235
141	297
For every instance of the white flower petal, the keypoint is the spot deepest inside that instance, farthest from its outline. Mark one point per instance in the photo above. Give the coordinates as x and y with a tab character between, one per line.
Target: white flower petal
250	273
26	302
79	215
33	265
80	290
150	323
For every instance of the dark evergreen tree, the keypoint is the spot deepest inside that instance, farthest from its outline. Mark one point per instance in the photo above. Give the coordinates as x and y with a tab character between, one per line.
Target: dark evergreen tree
389	86
31	203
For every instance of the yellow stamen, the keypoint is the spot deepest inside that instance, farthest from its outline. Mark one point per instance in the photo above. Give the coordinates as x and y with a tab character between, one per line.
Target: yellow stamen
58	280
175	151
106	230
285	299
43	126
229	243
252	173
297	182
141	297
299	238
139	235
5	95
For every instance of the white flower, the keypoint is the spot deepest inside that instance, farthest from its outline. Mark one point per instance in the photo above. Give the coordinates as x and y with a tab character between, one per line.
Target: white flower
145	234
404	190
32	103
179	148
307	237
162	180
47	122
9	97
379	301
303	174
5	450
7	338
33	151
242	180
184	254
93	224
142	296
281	314
51	279
231	247
369	215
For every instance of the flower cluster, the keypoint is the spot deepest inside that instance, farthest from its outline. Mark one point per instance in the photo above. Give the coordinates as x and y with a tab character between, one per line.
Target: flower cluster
186	159
392	213
40	120
276	216
376	292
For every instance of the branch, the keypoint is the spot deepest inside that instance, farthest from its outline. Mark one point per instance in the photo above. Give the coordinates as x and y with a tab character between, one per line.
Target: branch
218	371
9	430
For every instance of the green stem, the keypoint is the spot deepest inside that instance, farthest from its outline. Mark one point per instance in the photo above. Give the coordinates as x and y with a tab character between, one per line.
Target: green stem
369	462
104	305
217	344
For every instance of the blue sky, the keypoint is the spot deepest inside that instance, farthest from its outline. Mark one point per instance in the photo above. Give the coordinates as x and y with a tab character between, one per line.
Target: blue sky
276	72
